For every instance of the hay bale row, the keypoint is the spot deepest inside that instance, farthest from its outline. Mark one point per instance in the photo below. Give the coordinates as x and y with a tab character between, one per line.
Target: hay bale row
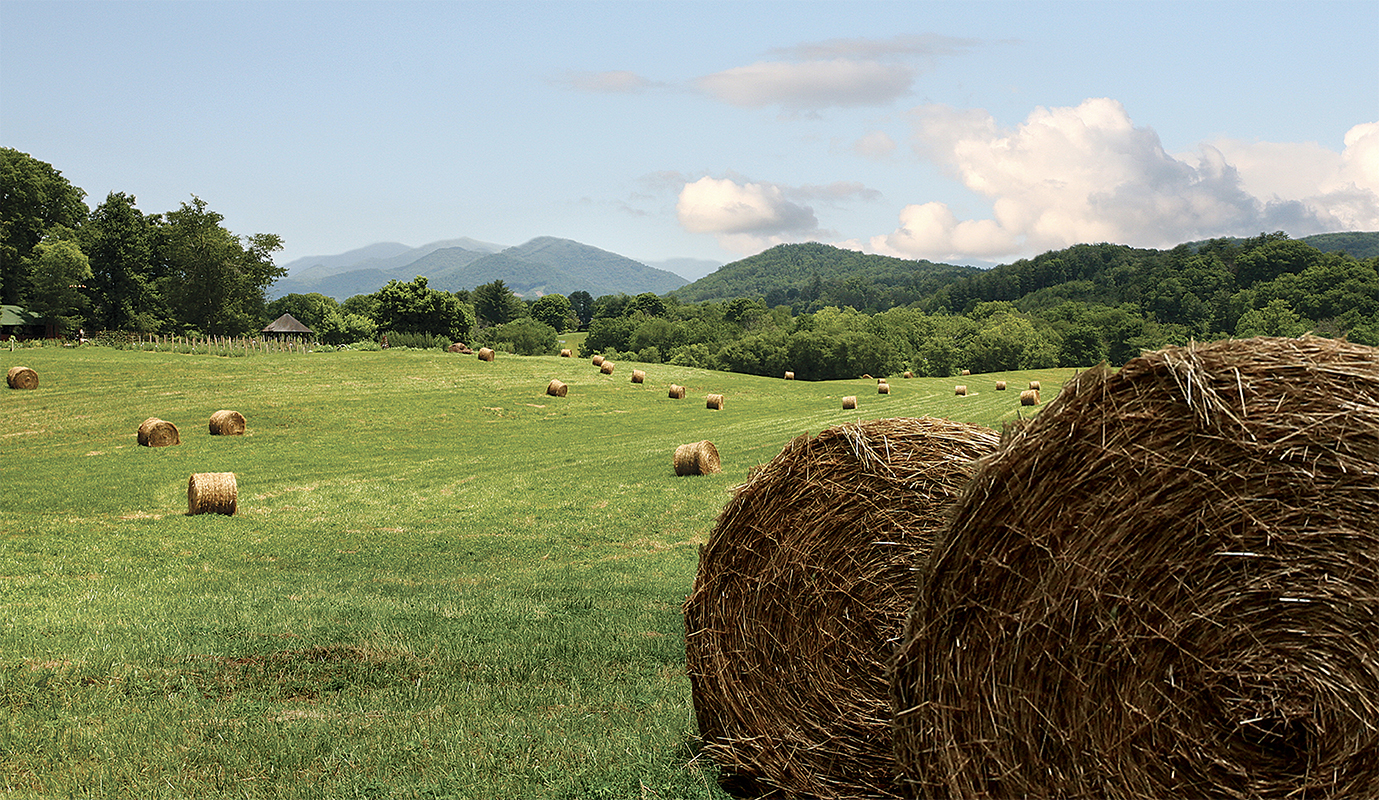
809	569
1164	585
22	378
154	432
714	401
677	392
699	458
850	402
486	354
557	389
212	493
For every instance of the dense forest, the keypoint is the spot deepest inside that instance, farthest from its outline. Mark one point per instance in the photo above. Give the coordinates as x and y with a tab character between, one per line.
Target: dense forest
817	310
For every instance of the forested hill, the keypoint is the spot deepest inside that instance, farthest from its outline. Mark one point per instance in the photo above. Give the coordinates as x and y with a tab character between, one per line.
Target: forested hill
802	274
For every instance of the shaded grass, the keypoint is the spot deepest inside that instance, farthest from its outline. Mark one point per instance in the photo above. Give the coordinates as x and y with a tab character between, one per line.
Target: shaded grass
441	582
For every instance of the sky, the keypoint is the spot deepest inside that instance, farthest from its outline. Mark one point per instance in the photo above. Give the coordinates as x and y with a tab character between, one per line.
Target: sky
973	132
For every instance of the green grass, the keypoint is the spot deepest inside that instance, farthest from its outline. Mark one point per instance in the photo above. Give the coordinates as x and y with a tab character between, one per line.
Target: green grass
440	582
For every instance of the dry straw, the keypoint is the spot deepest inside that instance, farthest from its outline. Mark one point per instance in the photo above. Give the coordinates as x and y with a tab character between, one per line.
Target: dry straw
967	372
714	401
850	401
486	354
557	389
700	458
960	390
907	374
1164	585
677	392
227	423
154	432
606	368
789	376
1029	397
597	361
212	493
801	595
638	376
566	354
1035	385
456	348
883	388
22	378
1000	386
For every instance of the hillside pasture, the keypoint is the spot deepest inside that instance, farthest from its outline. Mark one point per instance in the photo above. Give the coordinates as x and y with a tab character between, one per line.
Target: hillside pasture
440	581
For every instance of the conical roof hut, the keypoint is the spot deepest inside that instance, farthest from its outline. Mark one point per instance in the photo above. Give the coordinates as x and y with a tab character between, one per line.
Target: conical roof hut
287	325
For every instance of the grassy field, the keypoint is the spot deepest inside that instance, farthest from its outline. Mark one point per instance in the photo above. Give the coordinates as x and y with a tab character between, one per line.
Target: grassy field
440	582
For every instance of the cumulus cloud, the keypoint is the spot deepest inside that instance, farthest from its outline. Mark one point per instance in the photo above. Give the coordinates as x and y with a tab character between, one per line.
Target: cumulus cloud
1088	174
746	217
838	82
611	82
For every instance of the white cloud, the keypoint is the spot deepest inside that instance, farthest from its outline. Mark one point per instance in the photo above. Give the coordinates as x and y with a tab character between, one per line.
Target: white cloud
746	217
839	82
876	144
1088	174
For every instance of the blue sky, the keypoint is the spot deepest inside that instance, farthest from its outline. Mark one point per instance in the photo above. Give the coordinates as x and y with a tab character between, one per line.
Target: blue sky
963	132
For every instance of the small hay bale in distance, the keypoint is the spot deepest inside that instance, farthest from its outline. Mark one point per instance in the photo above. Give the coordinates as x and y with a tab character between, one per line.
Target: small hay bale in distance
227	423
713	401
566	354
456	347
960	390
789	376
907	374
966	372
486	354
1035	385
606	368
154	432
677	392
21	378
850	401
699	458
638	376
557	389
1029	397
1164	585
883	388
801	592
212	493
1000	386
596	361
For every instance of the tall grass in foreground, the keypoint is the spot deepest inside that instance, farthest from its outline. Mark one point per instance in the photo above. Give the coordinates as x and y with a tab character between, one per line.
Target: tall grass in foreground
440	582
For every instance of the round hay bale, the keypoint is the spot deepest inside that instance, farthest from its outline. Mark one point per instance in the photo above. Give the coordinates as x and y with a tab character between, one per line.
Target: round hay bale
1035	385
597	361
966	372
1029	397
638	376
714	401
212	493
850	401
700	458
486	354
789	376
677	392
455	348
566	354
154	432
227	423
883	388
801	594
907	374
22	378
1164	585
1000	386
960	390
606	368
557	389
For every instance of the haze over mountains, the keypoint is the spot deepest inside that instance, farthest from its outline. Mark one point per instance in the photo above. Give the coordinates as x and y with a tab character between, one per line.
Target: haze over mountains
541	266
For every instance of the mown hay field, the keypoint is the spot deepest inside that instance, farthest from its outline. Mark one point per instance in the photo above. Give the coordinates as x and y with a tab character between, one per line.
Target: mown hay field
439	580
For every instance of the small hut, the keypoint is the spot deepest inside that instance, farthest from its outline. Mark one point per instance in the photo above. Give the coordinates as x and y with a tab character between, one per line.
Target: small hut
287	327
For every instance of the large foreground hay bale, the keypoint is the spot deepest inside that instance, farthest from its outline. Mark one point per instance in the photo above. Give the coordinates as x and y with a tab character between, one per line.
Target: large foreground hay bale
212	493
699	458
557	389
486	354
713	401
606	368
801	595
850	402
677	392
227	423
154	432
638	376
1165	585
22	378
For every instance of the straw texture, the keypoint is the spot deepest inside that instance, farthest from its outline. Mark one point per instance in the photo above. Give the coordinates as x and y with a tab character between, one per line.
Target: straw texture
22	378
212	493
557	389
1029	397
1164	585
850	401
801	596
699	458
486	354
638	376
154	432
714	401
227	423
677	392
